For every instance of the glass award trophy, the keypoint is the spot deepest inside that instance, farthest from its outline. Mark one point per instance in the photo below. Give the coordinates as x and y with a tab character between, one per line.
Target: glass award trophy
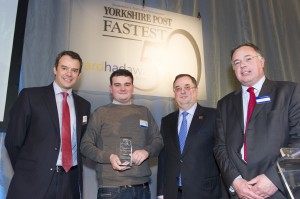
289	169
125	150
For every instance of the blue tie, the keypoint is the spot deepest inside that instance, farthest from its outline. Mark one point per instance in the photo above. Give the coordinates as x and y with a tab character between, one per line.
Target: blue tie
183	131
182	137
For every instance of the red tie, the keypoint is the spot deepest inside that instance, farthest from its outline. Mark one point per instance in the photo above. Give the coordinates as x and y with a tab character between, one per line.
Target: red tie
251	105
66	135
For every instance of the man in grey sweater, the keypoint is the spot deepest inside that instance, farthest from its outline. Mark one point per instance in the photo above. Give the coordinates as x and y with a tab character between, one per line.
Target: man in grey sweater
101	142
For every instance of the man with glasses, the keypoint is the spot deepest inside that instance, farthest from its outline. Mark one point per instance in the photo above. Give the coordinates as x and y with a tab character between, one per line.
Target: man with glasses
186	166
253	123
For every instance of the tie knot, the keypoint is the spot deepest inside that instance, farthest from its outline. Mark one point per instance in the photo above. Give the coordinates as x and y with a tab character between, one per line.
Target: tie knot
184	114
250	90
65	94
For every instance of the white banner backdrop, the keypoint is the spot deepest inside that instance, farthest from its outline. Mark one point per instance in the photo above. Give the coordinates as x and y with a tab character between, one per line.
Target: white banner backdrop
155	45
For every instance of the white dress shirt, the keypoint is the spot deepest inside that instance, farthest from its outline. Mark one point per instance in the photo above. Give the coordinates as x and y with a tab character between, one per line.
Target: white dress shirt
246	96
59	99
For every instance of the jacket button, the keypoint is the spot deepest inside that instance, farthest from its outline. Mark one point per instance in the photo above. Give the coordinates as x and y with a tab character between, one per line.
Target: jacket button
181	161
56	149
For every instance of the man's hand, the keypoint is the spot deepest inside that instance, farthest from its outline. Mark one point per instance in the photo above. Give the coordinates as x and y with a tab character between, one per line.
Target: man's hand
263	186
243	189
116	163
139	156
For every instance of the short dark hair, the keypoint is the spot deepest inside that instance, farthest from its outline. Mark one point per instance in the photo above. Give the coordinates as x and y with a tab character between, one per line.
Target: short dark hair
72	54
185	75
121	72
246	44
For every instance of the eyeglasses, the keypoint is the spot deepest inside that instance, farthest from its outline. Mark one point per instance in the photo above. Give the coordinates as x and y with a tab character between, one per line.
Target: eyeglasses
247	59
185	88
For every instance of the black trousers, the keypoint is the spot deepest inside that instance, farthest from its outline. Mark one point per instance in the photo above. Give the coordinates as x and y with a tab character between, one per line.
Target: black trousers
64	185
179	193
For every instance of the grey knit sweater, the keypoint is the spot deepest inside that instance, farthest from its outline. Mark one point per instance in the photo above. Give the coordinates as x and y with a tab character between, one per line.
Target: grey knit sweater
102	138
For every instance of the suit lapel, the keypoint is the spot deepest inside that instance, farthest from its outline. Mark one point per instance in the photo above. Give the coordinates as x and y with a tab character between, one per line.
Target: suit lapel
265	90
238	107
50	102
195	127
78	117
173	129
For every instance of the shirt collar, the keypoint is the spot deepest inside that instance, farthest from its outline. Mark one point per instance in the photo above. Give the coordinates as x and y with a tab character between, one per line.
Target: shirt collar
58	90
191	111
257	86
116	102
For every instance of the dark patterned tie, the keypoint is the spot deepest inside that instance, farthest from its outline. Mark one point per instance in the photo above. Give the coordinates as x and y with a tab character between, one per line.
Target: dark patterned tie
251	105
66	135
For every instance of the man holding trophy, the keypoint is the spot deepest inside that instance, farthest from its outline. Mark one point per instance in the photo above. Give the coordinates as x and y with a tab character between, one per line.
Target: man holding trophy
120	138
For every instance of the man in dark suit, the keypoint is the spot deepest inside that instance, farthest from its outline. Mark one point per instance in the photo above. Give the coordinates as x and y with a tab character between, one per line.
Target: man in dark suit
34	136
247	156
188	171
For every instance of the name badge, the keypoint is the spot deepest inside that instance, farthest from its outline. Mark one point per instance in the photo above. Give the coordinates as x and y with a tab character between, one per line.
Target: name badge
144	123
84	119
263	99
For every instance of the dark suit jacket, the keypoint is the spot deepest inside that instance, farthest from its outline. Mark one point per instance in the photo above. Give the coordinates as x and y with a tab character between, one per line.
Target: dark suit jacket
273	125
33	140
200	175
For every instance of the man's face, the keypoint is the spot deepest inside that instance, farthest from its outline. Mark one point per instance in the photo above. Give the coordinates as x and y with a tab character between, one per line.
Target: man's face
67	72
122	89
185	92
248	65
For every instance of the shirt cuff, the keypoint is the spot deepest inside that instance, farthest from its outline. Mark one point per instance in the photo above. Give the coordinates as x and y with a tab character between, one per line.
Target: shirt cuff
231	189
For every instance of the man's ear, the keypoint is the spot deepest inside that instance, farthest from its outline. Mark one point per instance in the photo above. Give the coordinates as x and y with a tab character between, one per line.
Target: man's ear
110	89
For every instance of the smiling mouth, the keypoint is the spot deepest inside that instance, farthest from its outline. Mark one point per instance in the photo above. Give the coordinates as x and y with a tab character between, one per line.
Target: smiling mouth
245	73
67	79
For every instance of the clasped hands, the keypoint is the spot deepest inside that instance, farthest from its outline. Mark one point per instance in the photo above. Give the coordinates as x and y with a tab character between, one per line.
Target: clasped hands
258	188
138	157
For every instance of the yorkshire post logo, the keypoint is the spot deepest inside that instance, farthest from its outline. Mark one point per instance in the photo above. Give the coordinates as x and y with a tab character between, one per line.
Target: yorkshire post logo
155	45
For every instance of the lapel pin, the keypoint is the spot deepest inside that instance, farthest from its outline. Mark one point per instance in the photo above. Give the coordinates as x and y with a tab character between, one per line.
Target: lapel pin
201	117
